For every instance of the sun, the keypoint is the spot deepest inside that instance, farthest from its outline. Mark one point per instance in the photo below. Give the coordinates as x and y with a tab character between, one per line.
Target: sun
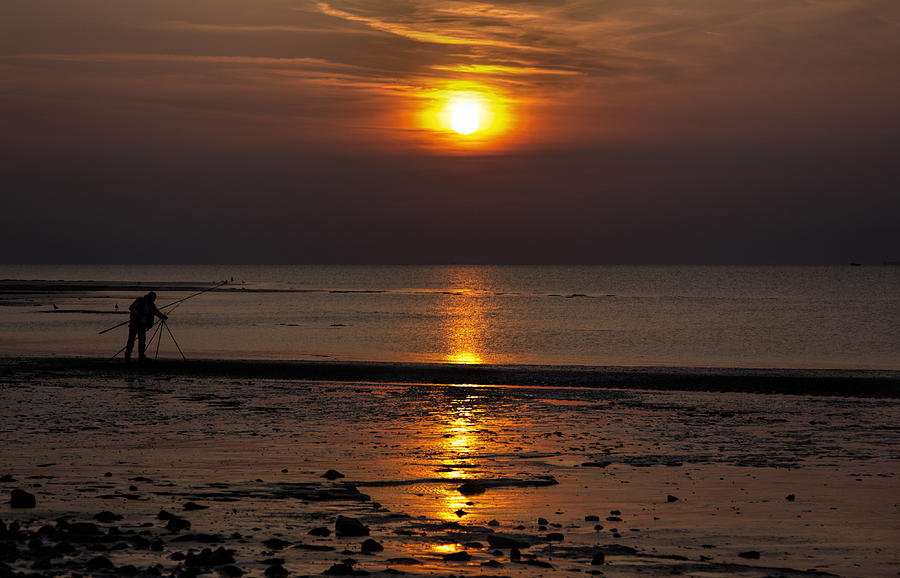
465	119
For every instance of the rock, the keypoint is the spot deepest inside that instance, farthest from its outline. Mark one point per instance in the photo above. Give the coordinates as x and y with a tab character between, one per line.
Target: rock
164	515
231	571
339	570
598	559
332	475
750	555
538	563
598	527
457	557
493	523
7	479
474	487
613	519
371	545
403	561
176	524
99	563
127	570
555	537
21	499
595	464
670	498
592	518
615	513
504	542
106	517
276	571
83	530
515	555
345	526
790	497
542	522
191	506
321	531
460	513
207	558
276	544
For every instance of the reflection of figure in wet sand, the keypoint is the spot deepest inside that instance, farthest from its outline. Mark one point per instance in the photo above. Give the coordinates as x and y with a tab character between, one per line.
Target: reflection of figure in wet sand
143	311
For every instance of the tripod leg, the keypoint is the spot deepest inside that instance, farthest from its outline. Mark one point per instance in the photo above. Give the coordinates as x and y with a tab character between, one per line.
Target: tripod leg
173	339
158	341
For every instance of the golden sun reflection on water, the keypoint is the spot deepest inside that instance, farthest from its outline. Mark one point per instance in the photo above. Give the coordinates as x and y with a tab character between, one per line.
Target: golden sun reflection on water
465	318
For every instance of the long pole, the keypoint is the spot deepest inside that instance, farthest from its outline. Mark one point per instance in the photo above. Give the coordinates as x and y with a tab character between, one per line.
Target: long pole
169	305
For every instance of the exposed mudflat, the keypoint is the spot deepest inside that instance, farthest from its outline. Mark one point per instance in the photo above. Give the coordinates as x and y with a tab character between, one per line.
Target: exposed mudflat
177	474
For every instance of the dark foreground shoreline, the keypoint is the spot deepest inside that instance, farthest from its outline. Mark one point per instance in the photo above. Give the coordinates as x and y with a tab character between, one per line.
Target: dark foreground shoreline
850	383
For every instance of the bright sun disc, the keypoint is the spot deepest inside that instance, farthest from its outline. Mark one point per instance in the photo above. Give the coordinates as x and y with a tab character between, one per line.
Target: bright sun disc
465	118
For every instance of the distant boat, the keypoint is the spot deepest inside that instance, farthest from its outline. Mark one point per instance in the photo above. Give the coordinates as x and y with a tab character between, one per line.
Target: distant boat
856	264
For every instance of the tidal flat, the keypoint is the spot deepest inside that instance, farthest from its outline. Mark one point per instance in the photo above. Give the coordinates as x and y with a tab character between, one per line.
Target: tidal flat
168	474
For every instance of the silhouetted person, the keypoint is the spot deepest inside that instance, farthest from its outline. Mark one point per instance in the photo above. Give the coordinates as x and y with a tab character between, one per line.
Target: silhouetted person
143	310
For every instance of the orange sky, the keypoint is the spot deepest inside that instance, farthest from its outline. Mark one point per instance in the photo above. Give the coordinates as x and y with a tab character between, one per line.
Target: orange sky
185	86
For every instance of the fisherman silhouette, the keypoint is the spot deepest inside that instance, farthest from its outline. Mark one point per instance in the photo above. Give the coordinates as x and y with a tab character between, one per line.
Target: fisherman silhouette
143	310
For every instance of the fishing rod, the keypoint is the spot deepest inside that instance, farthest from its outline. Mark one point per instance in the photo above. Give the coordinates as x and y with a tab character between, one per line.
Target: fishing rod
169	305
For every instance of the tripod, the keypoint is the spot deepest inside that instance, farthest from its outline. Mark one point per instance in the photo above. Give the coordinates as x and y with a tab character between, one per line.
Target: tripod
157	335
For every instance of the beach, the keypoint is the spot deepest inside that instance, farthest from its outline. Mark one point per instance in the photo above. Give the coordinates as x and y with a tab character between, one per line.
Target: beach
644	476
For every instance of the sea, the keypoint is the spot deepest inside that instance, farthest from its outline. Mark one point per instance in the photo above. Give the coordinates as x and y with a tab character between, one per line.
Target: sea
837	317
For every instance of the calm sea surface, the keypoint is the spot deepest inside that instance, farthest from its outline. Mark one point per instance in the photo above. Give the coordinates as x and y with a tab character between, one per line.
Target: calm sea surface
803	317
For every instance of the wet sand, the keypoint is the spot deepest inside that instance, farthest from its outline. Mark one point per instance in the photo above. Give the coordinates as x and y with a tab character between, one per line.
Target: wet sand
661	472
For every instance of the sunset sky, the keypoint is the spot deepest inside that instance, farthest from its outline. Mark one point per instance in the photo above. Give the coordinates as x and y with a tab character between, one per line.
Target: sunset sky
292	131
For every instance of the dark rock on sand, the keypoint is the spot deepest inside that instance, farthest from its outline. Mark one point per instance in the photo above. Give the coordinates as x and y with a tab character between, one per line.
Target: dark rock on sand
99	563
332	475
314	547
201	537
106	517
474	487
231	571
340	570
790	497
164	515
276	571
542	521
460	513
457	557
345	526
321	531
538	563
371	545
191	506
555	537
595	464
127	570
670	498
750	555
21	499
7	478
208	558
504	542
403	561
598	559
176	524
276	544
592	518
613	519
515	555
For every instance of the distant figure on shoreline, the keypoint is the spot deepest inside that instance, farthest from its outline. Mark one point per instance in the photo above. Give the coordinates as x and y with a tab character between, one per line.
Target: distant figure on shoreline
143	311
